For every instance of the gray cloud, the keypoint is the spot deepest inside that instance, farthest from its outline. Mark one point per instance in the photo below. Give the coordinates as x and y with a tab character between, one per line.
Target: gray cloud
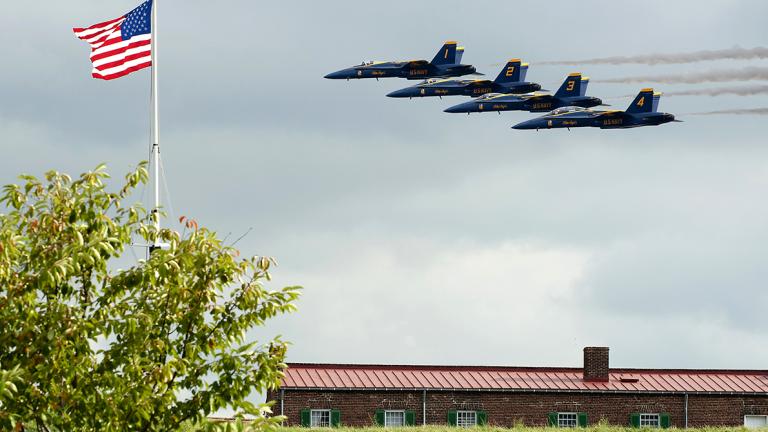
735	53
406	224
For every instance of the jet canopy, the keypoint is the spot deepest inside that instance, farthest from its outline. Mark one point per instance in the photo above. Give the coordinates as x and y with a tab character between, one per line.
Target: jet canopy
489	96
567	109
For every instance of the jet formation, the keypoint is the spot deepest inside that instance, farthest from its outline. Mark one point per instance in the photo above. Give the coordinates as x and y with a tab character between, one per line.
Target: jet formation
568	107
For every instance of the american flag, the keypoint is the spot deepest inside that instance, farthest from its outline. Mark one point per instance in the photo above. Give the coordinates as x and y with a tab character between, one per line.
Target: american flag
122	45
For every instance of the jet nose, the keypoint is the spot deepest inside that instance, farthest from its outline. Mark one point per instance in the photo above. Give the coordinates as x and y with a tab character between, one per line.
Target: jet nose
464	107
341	74
528	124
402	93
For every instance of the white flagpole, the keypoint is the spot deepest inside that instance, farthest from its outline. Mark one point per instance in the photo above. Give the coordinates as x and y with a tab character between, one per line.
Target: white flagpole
155	122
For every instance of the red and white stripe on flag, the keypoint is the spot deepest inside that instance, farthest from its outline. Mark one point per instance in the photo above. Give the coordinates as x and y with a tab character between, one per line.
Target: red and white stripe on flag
115	51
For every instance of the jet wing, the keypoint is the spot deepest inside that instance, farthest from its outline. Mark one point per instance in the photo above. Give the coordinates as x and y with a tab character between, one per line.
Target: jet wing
478	83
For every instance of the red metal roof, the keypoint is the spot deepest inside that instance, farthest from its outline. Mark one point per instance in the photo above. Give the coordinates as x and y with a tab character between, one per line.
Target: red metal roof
382	377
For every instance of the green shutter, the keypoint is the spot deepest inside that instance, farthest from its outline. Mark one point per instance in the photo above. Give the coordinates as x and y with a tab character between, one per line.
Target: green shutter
335	418
452	418
664	420
552	419
379	418
583	419
410	418
482	418
634	420
305	418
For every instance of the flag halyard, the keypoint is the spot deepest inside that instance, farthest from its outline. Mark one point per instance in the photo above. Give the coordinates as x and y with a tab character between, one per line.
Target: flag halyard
121	45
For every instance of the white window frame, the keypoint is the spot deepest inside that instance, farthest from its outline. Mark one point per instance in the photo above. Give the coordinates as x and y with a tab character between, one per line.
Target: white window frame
575	418
648	417
386	424
466	412
312	422
765	417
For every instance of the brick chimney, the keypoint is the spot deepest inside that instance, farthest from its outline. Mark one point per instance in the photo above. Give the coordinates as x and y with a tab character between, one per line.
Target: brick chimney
596	364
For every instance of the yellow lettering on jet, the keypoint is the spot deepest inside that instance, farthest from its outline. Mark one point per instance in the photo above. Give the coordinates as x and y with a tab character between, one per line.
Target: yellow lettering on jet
510	71
570	86
641	102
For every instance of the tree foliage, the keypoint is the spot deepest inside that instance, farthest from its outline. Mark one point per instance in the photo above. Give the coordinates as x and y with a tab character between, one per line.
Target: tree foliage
85	346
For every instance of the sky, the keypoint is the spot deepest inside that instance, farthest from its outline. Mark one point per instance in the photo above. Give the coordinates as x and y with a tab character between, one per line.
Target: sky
422	237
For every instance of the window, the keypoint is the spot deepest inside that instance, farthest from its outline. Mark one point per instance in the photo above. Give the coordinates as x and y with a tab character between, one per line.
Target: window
320	418
394	418
755	421
649	420
466	418
567	420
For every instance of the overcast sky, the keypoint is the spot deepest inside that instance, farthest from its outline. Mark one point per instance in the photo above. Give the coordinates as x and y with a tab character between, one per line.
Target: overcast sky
421	236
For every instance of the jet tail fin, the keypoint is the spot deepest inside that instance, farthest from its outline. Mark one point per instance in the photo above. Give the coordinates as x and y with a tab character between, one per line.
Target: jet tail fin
573	85
584	84
446	55
513	71
459	54
646	101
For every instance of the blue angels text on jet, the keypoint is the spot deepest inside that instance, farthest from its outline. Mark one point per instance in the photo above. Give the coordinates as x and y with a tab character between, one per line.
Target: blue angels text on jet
447	63
571	93
642	112
511	79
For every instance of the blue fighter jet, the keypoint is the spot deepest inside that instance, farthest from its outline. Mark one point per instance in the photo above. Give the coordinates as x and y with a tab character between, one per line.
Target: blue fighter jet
571	93
445	64
511	79
642	112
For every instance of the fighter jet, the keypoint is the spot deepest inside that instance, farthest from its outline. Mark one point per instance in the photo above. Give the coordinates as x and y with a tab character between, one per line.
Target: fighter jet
510	80
571	93
445	64
642	112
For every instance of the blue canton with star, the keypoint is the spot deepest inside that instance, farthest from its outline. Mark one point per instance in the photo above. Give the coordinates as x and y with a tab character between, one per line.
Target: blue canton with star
137	21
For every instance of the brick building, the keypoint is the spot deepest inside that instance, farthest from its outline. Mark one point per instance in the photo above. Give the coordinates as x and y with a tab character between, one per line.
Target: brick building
364	395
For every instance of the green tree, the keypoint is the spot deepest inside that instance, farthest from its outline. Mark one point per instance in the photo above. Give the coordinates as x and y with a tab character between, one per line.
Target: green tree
156	346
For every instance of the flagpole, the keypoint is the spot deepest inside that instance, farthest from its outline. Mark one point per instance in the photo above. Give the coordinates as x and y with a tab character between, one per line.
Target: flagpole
155	122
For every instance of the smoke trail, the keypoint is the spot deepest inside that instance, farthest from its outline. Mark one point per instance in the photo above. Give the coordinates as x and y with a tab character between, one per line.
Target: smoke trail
717	91
736	53
745	74
745	111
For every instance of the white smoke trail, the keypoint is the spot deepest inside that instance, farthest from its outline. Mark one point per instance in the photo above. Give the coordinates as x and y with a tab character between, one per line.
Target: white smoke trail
751	73
744	111
735	53
750	90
